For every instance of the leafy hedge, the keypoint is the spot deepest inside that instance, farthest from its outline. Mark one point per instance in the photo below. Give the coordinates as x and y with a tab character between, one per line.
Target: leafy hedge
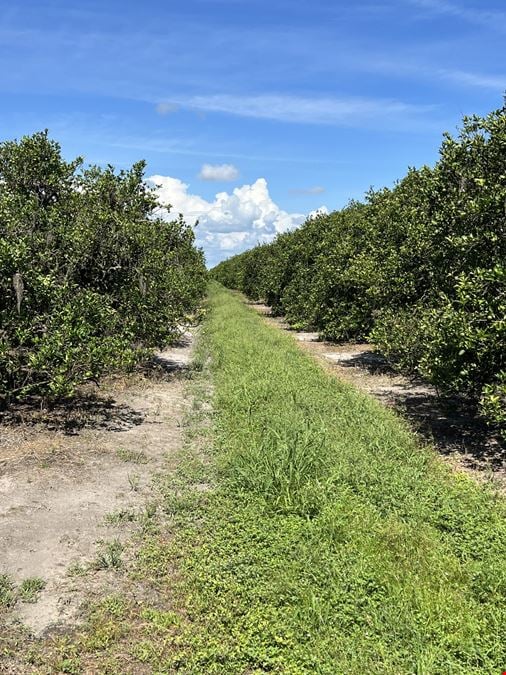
419	269
90	277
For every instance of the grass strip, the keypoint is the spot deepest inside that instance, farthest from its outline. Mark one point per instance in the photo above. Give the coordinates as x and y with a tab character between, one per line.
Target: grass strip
333	543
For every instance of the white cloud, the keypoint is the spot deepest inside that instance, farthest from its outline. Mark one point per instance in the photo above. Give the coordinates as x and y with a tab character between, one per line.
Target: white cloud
218	172
232	221
321	211
497	82
230	240
406	68
484	17
344	111
165	107
315	190
247	207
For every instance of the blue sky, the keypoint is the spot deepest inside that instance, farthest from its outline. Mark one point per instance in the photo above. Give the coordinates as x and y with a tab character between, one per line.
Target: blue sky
251	113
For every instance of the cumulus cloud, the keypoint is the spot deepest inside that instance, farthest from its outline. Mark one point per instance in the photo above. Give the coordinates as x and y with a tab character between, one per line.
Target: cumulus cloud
166	107
217	172
232	221
227	241
249	207
320	211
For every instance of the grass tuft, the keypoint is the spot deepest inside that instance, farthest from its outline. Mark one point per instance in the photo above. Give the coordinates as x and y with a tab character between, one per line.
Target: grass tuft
119	517
109	557
7	595
30	589
133	456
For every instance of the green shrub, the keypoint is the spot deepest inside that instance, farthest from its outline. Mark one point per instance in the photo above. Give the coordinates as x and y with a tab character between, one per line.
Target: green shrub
90	277
493	402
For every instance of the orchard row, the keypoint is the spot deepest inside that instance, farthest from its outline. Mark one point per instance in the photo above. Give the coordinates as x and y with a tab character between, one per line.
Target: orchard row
90	276
419	269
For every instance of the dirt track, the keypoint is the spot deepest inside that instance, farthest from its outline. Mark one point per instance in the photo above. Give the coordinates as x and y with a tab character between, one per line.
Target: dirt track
65	477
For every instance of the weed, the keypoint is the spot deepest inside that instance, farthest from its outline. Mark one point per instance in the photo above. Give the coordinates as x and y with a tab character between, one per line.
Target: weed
150	510
133	456
119	517
7	597
110	556
146	517
160	621
183	503
29	589
154	558
134	481
76	569
103	635
114	605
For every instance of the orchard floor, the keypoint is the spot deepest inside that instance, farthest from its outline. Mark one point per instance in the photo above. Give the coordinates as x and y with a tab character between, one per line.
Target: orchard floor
239	513
70	477
447	424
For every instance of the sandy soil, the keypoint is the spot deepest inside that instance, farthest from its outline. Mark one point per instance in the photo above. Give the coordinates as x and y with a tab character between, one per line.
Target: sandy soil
63	472
449	425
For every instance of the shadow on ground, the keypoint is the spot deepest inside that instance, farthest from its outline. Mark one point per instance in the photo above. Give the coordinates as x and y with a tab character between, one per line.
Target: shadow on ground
84	411
451	423
373	362
161	365
90	410
172	361
453	426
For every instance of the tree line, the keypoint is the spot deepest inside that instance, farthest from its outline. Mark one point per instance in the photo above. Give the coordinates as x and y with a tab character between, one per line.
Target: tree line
418	269
91	276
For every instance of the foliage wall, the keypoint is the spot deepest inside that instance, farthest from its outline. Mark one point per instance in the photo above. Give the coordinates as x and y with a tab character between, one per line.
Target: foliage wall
419	269
90	276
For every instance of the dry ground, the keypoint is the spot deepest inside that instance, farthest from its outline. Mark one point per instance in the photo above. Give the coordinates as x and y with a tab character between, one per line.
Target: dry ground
68	476
450	425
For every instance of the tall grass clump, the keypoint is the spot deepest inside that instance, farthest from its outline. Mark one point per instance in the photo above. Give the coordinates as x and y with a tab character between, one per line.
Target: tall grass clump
334	543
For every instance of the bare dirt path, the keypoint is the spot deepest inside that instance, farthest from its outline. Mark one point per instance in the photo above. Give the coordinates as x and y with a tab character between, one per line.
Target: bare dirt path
69	476
448	424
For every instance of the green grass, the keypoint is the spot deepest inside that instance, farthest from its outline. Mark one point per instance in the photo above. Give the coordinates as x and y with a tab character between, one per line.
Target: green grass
30	589
120	517
334	543
134	481
109	556
77	569
7	596
134	456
